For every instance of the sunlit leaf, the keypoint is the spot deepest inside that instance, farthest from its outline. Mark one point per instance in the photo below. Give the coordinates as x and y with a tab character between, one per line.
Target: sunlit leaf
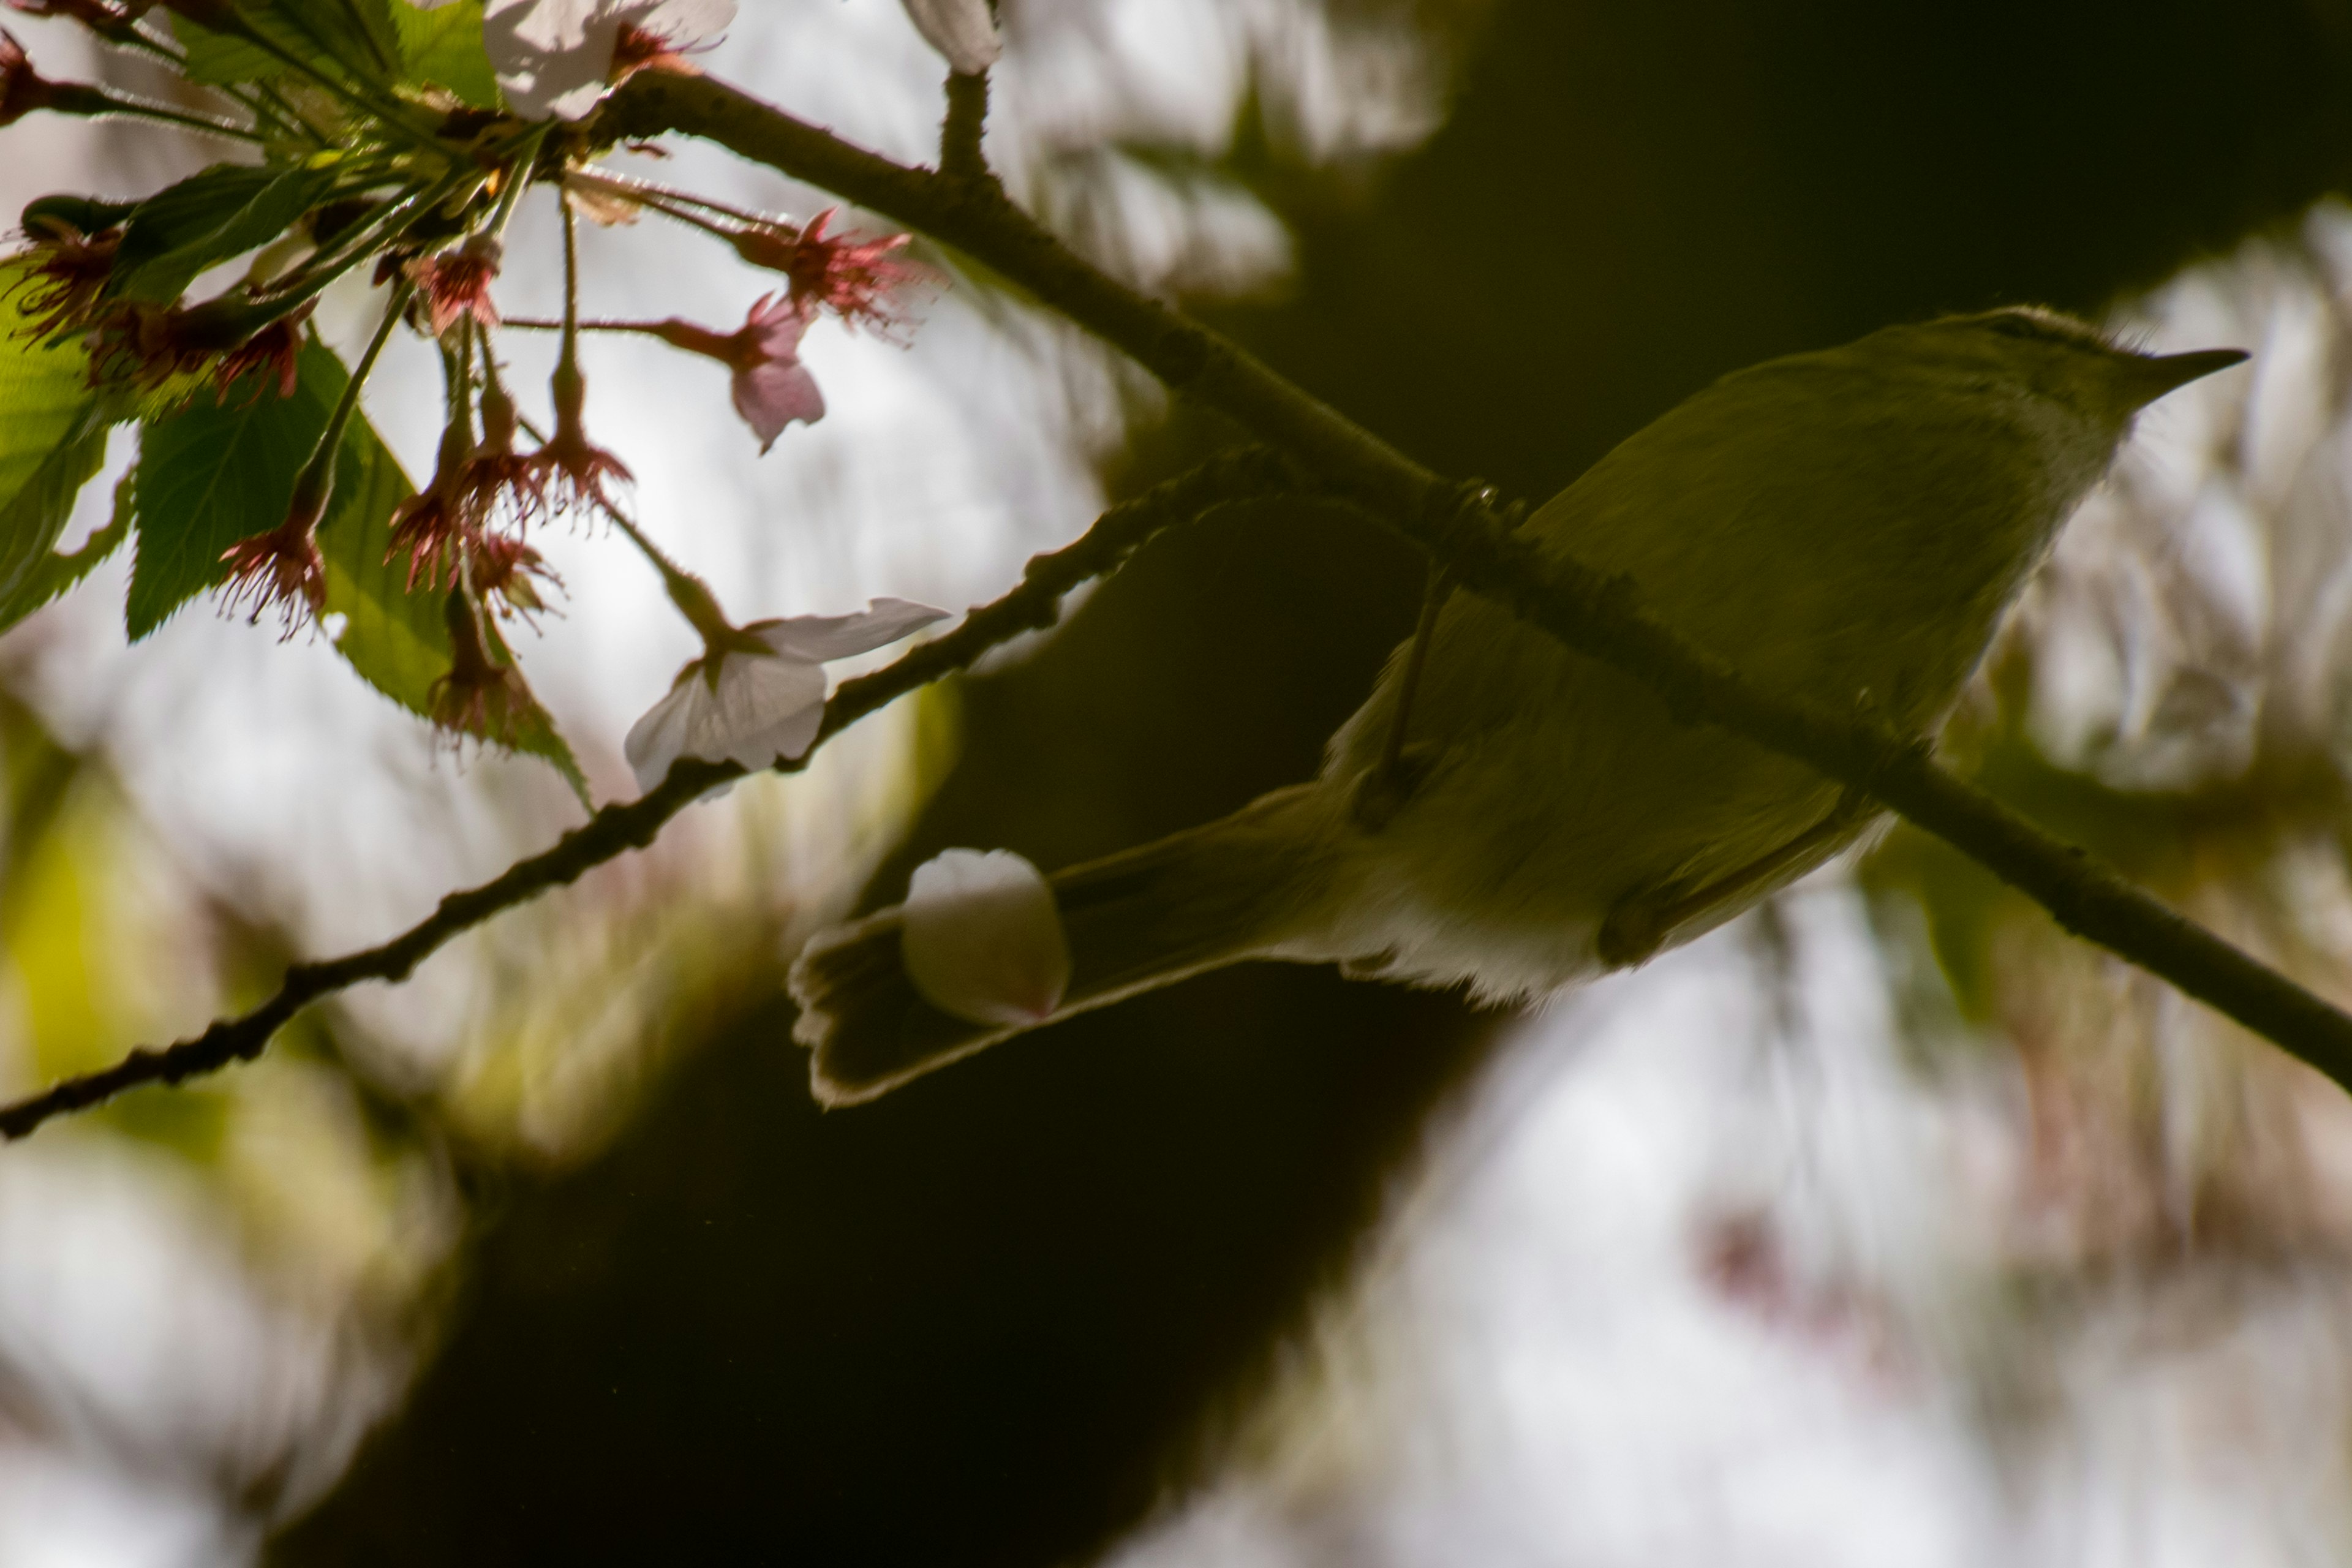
53	573
52	438
395	638
210	473
356	34
206	219
534	735
217	57
443	48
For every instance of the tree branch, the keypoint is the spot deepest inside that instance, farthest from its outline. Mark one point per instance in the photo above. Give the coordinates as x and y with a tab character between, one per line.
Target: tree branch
1467	529
1249	474
959	133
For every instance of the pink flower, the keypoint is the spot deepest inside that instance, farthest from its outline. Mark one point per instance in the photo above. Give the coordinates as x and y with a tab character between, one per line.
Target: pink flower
481	695
772	387
557	57
456	283
280	568
272	352
853	278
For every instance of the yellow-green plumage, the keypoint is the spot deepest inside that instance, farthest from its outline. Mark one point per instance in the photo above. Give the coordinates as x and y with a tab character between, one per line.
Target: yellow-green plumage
1847	525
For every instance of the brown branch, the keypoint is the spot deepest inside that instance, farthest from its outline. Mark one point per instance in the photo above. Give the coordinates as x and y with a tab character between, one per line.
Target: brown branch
1467	528
960	154
1237	476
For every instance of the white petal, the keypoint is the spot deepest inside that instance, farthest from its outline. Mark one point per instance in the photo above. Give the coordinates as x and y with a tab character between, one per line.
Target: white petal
764	709
963	30
552	56
654	740
982	939
688	22
822	637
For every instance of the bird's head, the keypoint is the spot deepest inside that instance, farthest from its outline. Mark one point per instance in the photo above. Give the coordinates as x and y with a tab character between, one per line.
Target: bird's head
2055	358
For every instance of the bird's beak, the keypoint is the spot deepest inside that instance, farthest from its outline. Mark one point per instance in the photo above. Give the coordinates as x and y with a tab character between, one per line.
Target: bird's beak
2153	377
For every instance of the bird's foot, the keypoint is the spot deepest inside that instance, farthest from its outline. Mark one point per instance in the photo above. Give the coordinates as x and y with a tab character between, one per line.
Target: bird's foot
1382	789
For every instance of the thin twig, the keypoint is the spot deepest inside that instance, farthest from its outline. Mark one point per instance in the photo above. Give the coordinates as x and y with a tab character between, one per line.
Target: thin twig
1596	615
959	133
1240	477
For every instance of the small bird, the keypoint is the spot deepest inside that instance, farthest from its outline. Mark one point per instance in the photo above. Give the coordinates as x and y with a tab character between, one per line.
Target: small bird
1846	526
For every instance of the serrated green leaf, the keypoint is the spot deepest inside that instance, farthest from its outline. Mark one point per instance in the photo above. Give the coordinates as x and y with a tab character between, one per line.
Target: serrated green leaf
532	733
210	473
358	33
536	736
355	34
42	390
53	573
206	219
52	435
218	58
31	519
395	638
443	48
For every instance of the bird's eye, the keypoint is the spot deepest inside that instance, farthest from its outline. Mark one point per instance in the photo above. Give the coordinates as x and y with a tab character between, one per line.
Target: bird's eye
2031	328
2023	327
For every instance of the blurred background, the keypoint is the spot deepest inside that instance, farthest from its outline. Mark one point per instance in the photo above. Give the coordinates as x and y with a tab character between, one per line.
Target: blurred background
1886	1226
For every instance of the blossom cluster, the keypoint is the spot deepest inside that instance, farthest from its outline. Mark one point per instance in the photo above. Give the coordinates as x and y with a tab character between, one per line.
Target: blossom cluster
398	156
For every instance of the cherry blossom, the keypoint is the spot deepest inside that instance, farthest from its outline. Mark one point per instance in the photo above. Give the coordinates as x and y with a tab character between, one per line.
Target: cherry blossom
761	696
963	30
273	353
982	939
568	470
456	283
482	695
557	57
772	388
853	278
149	344
279	568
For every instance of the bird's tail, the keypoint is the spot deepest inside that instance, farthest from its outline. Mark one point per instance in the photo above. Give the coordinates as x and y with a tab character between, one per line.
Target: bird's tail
1241	887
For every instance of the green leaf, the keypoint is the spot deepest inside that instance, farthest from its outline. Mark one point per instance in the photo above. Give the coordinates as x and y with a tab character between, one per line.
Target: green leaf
396	640
206	219
532	734
53	573
210	473
219	58
444	47
356	34
42	391
52	435
31	519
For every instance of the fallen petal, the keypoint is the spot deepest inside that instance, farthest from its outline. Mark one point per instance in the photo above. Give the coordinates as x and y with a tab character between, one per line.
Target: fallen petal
982	939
